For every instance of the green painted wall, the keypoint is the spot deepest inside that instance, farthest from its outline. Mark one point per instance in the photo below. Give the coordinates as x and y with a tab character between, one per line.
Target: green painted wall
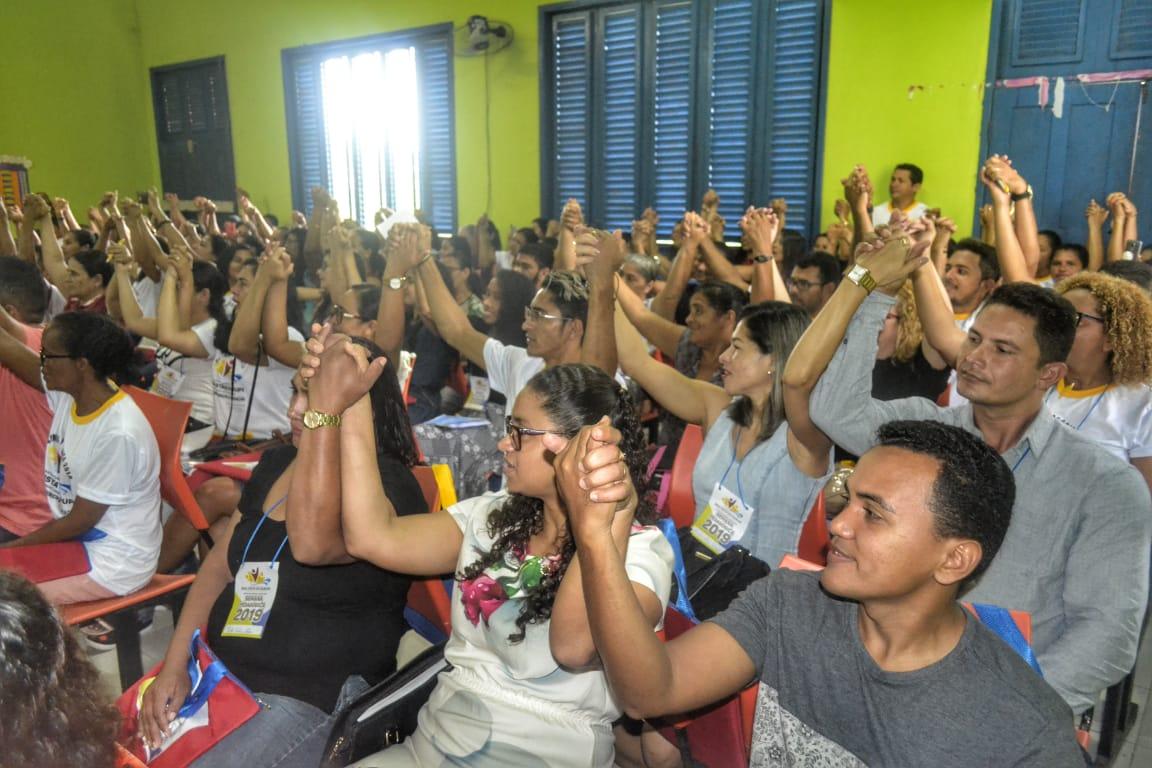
905	84
251	36
74	100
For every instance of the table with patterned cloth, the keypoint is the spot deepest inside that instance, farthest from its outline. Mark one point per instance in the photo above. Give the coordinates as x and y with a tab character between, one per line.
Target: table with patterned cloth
471	454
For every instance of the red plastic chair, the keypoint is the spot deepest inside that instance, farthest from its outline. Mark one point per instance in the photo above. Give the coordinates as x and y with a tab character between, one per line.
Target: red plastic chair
681	501
168	419
428	598
813	545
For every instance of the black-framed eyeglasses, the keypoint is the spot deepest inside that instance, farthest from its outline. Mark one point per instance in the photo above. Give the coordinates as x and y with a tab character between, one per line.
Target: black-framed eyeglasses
1082	316
45	357
534	315
804	285
516	432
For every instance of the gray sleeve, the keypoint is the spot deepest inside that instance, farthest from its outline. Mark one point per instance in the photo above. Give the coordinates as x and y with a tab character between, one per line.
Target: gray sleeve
1105	590
746	619
842	405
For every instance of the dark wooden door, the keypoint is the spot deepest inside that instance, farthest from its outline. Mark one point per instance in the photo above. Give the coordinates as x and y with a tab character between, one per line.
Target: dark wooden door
193	129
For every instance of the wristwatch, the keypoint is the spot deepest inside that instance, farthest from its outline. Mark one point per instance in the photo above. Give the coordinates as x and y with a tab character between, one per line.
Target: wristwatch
761	258
316	419
396	283
1025	195
860	276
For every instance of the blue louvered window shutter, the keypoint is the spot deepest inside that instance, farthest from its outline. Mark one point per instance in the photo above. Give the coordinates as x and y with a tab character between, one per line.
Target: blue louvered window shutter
571	97
619	135
731	106
672	113
1048	32
1132	30
795	98
437	140
308	148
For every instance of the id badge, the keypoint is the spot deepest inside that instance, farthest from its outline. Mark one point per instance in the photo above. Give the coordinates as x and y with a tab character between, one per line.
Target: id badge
168	381
723	521
254	594
480	390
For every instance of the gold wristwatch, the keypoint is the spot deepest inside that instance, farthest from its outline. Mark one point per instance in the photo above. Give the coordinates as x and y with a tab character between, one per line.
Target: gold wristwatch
862	277
316	419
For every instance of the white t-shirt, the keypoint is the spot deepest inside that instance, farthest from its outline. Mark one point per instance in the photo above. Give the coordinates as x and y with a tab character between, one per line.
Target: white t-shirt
109	457
56	302
147	293
883	212
509	368
181	377
1118	419
232	383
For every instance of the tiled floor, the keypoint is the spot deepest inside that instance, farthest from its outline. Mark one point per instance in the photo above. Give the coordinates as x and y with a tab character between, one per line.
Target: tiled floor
1135	752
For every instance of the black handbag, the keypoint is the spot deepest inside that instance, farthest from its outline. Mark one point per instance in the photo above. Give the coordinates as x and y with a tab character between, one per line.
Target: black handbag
714	580
385	714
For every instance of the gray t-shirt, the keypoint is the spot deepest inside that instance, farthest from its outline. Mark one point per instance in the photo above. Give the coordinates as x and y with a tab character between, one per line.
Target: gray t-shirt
824	701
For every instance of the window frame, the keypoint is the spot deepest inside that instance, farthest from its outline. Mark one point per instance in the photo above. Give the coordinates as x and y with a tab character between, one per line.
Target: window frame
305	55
758	183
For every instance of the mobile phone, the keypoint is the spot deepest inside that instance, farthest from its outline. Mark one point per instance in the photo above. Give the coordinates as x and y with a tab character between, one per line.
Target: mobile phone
1132	250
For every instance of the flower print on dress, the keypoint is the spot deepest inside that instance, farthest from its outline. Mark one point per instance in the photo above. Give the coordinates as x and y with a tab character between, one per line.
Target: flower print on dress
481	598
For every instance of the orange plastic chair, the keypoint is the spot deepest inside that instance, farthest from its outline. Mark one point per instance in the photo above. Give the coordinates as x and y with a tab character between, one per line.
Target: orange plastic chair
168	419
125	759
813	544
428	598
681	501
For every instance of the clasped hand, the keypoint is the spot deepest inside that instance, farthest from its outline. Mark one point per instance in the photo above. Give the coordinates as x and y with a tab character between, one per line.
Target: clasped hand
592	478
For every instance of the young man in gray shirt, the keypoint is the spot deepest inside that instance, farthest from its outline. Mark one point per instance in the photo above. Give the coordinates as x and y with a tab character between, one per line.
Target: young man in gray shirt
870	662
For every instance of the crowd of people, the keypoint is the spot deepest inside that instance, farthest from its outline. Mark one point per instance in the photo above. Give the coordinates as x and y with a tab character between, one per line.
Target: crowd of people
984	403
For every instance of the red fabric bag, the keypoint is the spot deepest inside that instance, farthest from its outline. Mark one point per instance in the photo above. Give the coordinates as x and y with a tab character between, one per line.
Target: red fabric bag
217	704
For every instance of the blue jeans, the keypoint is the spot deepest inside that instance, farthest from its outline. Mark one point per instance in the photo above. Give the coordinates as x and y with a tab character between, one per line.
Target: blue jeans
285	733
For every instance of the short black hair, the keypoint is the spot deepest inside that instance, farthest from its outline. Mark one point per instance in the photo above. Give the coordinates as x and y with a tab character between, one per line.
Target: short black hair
1055	317
914	172
1080	251
989	264
1133	271
84	238
540	253
974	490
22	287
828	265
95	338
528	235
1053	237
96	264
723	297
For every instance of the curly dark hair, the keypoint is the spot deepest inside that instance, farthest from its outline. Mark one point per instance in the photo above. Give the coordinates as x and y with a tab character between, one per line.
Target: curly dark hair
389	413
573	396
53	711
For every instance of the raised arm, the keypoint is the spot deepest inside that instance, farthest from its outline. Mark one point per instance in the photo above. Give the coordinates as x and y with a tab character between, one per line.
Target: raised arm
147	251
571	218
37	212
7	242
18	358
1024	222
130	313
171	327
451	321
1096	215
602	254
1013	266
858	193
274	319
761	226
1131	228
416	544
936	317
697	402
485	253
390	316
664	303
664	334
647	676
945	229
244	341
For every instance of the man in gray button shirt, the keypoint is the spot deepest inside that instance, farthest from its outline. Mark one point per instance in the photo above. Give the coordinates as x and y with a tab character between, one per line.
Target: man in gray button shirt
1076	556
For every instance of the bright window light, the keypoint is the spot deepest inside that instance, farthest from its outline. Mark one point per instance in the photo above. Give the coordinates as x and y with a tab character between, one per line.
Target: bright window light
372	124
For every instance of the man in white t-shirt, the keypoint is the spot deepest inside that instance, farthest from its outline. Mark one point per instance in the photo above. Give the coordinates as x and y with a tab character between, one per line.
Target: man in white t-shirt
905	183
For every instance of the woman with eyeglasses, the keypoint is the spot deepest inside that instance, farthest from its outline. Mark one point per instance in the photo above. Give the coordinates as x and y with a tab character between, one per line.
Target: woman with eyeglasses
525	687
1105	395
323	634
101	463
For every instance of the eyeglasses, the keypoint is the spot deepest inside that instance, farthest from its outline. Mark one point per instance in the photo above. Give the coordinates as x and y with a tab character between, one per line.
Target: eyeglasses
45	357
338	314
804	285
534	315
516	433
1082	316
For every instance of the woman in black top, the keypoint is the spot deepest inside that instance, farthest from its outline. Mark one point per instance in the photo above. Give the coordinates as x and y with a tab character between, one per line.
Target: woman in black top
323	626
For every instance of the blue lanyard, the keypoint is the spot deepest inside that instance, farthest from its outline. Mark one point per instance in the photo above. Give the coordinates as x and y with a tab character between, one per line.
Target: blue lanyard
739	466
1095	403
256	530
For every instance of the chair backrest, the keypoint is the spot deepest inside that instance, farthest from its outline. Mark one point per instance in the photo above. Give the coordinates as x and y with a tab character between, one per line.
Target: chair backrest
813	545
681	501
168	419
430	601
427	479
